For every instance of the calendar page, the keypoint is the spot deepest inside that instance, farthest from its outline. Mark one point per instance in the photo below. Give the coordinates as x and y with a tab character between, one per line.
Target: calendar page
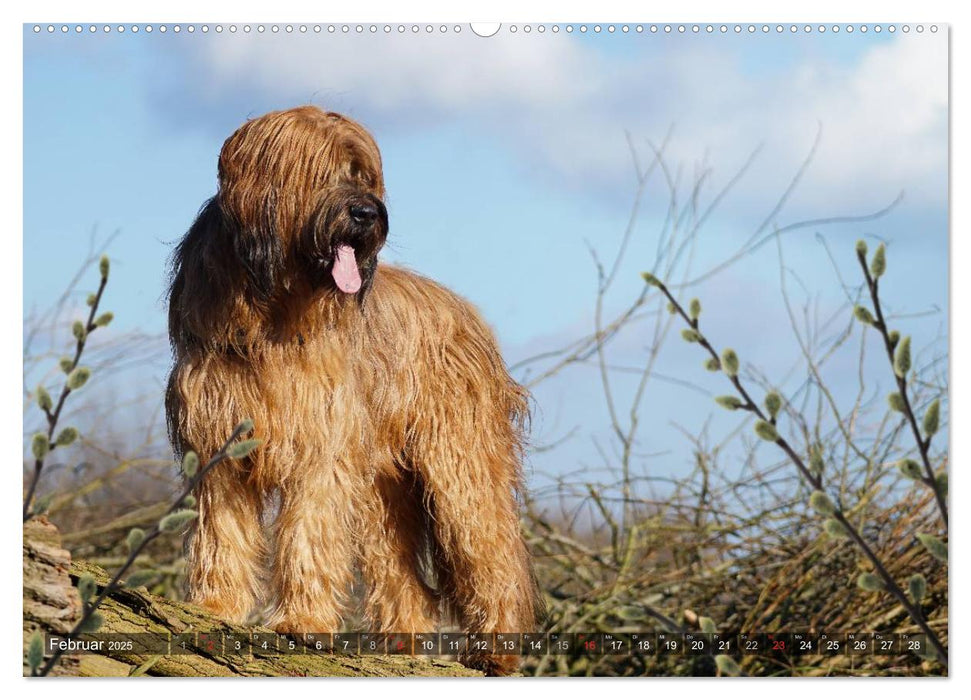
539	349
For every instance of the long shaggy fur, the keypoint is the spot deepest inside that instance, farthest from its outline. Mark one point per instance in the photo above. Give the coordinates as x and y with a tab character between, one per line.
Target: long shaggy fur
392	429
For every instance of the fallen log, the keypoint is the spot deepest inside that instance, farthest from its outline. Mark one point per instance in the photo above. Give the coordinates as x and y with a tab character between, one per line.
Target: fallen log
52	606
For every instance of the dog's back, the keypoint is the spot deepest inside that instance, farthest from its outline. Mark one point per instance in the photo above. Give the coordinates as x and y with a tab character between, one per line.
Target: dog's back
428	340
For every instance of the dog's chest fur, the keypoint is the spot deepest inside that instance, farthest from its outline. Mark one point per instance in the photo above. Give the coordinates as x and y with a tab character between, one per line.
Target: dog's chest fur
342	391
316	416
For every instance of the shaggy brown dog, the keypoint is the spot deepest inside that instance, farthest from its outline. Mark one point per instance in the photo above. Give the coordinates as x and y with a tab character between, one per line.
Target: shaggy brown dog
393	432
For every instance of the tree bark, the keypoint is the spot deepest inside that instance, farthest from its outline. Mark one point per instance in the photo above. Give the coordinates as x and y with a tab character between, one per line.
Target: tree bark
51	604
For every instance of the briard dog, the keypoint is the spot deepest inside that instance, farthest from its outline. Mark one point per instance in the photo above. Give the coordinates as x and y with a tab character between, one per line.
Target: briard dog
393	433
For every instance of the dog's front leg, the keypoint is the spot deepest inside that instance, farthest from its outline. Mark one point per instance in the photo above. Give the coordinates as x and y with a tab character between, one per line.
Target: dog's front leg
226	550
315	544
472	479
393	542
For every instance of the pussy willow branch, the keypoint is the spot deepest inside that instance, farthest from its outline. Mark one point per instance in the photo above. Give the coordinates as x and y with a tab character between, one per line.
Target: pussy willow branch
190	484
53	417
816	482
923	445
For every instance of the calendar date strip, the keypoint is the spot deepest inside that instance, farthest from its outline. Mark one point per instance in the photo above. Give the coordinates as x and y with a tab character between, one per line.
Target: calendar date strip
526	644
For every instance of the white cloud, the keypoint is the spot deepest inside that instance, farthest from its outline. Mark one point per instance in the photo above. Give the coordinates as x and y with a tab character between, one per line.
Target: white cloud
433	76
563	104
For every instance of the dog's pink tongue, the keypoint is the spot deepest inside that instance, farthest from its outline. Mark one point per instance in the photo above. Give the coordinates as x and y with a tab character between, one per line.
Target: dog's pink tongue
345	271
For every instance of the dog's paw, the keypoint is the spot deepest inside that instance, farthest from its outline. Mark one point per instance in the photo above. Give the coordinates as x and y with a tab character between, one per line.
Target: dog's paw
300	624
491	664
291	626
223	608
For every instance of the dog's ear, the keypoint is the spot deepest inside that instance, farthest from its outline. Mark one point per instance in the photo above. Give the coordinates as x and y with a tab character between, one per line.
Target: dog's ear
199	283
257	248
218	265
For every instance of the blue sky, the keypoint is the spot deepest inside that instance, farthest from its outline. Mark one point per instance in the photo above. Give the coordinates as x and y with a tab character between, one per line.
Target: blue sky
506	160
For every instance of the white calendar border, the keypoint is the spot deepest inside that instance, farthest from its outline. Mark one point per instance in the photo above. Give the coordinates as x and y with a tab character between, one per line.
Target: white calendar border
830	11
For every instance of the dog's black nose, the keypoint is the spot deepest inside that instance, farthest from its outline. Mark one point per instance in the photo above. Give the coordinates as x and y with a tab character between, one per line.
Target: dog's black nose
364	213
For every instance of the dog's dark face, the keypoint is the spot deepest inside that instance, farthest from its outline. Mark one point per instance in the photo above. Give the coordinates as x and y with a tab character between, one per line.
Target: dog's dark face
309	184
339	244
299	213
